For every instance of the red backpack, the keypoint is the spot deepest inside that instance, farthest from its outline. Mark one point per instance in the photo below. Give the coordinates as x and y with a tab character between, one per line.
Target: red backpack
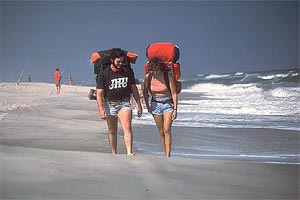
169	53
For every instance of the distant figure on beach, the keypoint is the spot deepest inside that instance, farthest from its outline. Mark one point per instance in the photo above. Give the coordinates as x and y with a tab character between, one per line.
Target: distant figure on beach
29	78
70	80
57	79
163	103
115	84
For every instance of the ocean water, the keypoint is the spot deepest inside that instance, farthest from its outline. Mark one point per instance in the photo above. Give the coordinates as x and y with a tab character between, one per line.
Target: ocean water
234	101
269	99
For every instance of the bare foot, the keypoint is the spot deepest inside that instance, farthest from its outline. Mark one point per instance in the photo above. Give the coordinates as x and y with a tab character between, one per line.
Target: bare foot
131	154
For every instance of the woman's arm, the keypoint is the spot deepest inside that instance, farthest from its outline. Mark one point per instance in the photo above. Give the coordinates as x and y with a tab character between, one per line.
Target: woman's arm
174	95
146	92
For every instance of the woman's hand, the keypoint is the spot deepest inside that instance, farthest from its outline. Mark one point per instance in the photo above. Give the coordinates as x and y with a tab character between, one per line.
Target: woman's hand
174	115
149	109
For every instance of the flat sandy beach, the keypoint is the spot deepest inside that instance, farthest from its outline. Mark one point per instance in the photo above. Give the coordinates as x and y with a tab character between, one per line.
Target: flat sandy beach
55	147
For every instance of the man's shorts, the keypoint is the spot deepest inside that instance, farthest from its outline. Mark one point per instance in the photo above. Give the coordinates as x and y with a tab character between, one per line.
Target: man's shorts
161	105
114	107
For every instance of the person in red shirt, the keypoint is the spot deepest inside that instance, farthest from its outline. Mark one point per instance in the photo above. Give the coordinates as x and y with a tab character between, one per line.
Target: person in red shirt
57	78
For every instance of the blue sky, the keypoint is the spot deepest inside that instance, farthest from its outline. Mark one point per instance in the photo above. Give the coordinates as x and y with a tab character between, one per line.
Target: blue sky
213	36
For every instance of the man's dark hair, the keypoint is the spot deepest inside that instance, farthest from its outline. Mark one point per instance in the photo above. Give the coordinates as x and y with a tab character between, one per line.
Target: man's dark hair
117	53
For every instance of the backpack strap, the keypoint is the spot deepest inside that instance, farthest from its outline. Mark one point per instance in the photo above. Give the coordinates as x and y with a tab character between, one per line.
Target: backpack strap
149	82
166	77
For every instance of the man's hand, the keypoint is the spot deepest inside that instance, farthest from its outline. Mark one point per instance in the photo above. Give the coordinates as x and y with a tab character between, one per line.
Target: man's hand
102	114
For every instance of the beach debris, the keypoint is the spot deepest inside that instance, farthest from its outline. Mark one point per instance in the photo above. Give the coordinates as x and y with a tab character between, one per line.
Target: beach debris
92	94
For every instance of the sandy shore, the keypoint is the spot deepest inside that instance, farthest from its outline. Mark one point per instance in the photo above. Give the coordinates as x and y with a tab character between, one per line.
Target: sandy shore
55	147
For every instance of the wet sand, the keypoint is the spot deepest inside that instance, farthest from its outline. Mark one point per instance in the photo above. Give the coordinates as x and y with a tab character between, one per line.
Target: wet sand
55	147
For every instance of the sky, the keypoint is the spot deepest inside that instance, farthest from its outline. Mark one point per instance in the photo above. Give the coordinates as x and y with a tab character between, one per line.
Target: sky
214	37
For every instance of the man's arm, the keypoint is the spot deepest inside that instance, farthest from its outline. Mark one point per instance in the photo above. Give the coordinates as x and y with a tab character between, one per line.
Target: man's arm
102	113
136	97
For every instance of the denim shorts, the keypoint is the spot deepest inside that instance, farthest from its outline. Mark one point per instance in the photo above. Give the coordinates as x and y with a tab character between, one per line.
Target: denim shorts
160	108
114	107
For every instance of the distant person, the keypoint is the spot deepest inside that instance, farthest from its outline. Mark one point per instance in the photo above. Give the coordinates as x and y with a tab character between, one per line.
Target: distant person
57	79
115	84
163	103
70	80
29	78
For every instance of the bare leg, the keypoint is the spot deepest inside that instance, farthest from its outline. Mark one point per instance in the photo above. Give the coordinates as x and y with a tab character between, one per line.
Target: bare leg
112	123
159	120
125	116
164	123
167	133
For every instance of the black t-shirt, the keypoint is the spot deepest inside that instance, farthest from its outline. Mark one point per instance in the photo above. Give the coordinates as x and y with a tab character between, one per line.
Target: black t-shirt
116	85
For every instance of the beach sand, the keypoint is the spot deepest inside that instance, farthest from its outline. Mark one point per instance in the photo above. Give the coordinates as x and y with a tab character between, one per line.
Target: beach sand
55	147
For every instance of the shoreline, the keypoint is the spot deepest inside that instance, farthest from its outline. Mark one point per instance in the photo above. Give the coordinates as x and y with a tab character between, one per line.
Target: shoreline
77	116
261	145
55	147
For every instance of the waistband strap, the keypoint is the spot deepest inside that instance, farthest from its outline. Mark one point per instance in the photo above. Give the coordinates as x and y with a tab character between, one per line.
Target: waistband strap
119	100
163	101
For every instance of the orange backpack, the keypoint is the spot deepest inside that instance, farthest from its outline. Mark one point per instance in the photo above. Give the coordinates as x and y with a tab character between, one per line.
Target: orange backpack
169	53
